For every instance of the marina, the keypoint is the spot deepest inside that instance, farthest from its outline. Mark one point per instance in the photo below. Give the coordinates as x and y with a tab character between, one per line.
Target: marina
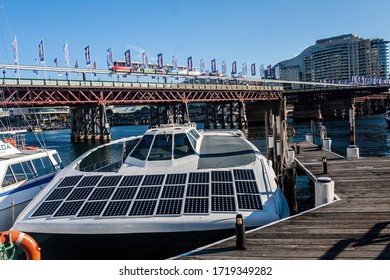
354	225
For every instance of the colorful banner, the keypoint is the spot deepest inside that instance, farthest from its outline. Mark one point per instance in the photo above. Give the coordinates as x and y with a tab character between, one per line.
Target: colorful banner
87	56
277	72
15	50
189	63
224	68
202	66
253	69
269	71
128	58
213	66
261	71
110	61
244	70
41	52
66	53
160	61
145	59
174	62
234	68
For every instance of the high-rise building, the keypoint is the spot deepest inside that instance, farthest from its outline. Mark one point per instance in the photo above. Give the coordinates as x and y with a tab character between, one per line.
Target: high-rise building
343	58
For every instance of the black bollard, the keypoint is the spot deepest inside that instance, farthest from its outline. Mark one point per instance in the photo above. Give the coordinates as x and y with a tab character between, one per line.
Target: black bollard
324	165
240	233
298	148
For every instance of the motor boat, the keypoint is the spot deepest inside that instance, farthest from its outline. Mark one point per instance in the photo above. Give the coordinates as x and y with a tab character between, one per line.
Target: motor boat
24	171
169	187
387	117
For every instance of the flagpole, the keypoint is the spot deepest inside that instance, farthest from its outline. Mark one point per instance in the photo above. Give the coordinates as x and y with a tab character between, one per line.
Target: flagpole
44	57
17	58
90	62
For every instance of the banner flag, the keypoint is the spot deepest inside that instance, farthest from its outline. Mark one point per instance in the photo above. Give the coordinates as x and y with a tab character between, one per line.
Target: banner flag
56	62
268	71
87	56
261	71
213	66
277	72
41	52
234	68
110	61
15	49
76	64
224	68
128	58
174	62
160	61
253	69
202	66
145	59
66	53
189	63
244	70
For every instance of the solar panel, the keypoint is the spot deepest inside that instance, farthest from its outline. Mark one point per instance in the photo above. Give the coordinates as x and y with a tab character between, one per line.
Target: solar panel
46	208
69	181
221	176
124	193
148	192
101	193
169	207
117	208
60	193
131	180
143	208
176	179
173	191
252	202
222	203
89	181
198	190
199	177
109	181
94	208
79	193
244	174
69	208
153	180
246	187
222	188
196	205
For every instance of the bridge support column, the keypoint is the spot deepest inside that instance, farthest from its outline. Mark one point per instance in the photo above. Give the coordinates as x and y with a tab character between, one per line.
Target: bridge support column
90	125
168	114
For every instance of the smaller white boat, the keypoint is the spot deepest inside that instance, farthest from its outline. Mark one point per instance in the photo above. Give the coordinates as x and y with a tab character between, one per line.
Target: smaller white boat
387	117
24	171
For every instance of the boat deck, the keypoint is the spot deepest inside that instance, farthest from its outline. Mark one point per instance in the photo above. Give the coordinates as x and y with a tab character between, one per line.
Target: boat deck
223	152
355	227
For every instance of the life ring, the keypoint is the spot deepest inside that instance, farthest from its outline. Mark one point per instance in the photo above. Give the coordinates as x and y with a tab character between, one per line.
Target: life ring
31	148
290	132
24	241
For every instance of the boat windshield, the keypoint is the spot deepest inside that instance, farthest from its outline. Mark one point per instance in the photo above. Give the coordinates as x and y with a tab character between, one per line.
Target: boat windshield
162	148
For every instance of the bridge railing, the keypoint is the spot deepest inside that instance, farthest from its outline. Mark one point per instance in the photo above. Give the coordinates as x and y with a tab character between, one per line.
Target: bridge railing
124	84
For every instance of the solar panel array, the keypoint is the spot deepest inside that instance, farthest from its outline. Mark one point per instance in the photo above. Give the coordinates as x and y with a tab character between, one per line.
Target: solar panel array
152	195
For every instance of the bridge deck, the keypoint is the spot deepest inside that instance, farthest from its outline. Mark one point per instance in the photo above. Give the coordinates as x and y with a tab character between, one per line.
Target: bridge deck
355	227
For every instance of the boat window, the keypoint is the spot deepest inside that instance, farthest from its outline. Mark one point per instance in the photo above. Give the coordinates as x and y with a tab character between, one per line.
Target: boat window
182	146
58	160
162	148
43	166
192	139
9	178
142	149
194	133
18	172
28	169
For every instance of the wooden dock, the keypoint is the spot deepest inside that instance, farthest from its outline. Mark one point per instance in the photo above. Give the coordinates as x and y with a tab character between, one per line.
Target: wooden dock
356	226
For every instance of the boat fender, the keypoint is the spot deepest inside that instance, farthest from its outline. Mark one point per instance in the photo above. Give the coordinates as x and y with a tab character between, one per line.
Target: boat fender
24	241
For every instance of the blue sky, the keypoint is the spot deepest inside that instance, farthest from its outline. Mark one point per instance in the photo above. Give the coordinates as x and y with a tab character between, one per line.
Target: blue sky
251	31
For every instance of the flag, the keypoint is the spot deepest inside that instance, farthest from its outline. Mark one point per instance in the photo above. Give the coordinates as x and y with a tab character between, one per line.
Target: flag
87	56
160	61
262	70
244	70
213	66
36	62
202	66
56	62
66	53
145	59
15	49
189	63
41	52
268	71
94	67
128	58
277	72
110	62
253	69
76	64
234	68
174	62
224	68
